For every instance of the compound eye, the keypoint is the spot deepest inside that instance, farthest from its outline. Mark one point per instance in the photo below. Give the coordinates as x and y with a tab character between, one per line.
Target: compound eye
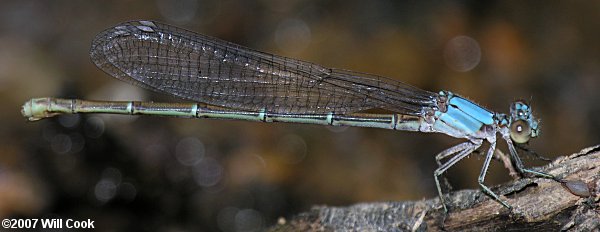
520	132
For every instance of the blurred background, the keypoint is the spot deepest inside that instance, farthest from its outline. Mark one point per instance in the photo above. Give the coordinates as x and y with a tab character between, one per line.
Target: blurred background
165	174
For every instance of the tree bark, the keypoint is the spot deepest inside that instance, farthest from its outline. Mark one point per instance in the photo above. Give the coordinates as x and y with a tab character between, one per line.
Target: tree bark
570	204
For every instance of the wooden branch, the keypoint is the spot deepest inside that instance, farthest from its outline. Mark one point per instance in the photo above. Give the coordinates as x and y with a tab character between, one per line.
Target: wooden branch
539	205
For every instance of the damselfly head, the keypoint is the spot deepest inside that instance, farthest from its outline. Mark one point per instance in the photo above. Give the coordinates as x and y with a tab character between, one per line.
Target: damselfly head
523	125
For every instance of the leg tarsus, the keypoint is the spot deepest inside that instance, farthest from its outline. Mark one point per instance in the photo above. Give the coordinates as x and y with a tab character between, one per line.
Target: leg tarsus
481	179
539	174
519	164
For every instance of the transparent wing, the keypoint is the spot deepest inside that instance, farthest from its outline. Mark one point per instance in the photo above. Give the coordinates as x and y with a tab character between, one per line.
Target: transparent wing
191	66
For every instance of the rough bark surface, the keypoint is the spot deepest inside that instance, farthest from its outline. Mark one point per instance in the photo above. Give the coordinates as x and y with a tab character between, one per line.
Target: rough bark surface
571	204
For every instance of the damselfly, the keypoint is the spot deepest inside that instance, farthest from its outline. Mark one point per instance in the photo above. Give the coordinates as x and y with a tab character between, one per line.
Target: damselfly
229	81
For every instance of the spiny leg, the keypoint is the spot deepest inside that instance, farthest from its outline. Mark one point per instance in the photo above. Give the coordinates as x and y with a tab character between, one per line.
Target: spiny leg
481	179
448	152
466	150
451	151
520	167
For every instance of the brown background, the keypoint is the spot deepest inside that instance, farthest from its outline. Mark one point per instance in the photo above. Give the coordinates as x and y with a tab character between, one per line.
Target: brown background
182	174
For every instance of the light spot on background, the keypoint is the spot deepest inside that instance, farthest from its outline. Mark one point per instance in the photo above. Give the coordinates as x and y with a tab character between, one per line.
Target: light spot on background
94	127
189	151
207	172
105	190
61	144
77	141
69	120
107	186
462	53
248	220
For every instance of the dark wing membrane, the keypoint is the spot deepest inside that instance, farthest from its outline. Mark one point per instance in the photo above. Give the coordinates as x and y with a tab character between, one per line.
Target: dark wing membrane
191	66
